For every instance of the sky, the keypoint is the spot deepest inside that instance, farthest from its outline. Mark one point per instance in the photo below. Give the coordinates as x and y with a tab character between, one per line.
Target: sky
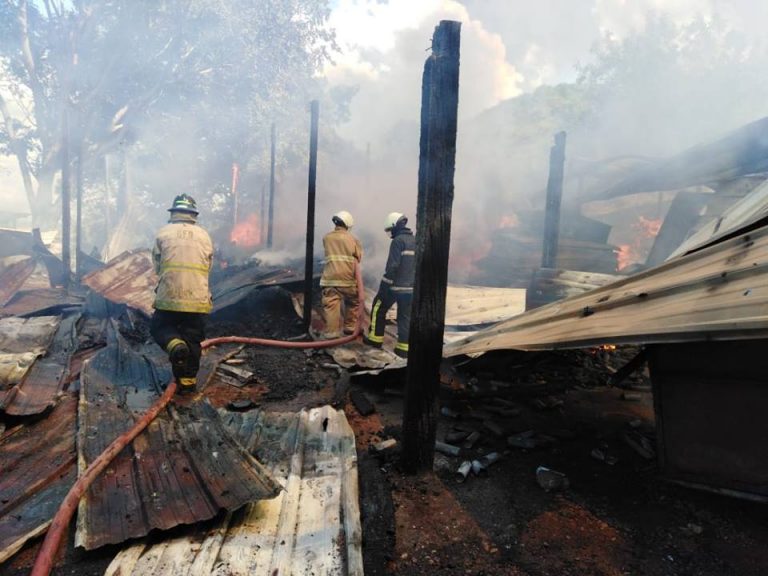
509	47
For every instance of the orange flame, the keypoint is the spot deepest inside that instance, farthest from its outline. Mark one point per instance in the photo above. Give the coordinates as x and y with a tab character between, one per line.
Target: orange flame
645	230
247	233
509	221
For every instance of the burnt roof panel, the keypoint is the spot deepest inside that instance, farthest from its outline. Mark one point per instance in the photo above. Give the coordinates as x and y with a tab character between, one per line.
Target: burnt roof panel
127	279
312	527
184	468
37	468
717	293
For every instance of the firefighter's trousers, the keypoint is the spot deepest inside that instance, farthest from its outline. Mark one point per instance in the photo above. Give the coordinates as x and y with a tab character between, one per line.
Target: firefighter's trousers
334	299
383	301
188	326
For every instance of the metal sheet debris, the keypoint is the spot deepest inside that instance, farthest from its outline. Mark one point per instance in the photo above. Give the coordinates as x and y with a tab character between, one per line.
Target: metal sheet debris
235	288
47	301
127	279
14	272
37	468
38	390
312	527
184	468
750	210
717	293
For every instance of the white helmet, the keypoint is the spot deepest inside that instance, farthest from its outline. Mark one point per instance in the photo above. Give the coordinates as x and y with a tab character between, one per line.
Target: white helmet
393	219
343	217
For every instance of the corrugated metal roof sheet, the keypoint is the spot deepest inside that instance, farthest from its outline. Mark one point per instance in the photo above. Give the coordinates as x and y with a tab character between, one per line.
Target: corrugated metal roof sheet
184	468
37	468
127	279
14	272
748	211
48	301
22	340
38	390
313	527
232	290
717	293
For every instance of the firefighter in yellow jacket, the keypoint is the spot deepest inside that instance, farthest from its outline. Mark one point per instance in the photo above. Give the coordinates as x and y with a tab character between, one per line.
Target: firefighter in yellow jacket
183	254
343	253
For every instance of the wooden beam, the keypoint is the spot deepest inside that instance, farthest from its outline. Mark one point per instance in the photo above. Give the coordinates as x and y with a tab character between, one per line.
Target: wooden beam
271	186
311	189
66	255
554	196
437	159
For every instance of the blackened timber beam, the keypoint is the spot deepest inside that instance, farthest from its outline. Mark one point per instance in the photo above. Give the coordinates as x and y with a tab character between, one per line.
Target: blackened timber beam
554	196
66	252
271	216
437	160
311	189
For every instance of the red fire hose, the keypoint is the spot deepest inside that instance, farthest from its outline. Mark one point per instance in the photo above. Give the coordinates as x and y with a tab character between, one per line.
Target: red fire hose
47	553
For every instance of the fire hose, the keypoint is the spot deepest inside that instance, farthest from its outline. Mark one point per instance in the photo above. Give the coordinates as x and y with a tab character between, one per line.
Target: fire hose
45	557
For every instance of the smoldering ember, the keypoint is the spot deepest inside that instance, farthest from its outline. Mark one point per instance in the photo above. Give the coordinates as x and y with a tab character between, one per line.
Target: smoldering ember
383	287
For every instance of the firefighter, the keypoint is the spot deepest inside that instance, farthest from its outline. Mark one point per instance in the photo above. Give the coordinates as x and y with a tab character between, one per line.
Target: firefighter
343	252
396	285
182	255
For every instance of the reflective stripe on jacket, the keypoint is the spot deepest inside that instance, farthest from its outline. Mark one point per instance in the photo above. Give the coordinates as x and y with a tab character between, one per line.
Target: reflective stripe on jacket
401	264
342	252
183	254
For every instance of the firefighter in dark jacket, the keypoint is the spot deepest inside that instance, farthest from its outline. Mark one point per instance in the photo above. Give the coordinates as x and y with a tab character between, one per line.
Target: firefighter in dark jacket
396	285
182	255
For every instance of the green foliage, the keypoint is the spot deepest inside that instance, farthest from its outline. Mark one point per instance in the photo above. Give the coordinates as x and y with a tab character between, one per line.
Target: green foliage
188	86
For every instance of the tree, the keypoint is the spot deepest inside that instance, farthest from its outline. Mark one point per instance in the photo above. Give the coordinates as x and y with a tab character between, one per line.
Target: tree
155	77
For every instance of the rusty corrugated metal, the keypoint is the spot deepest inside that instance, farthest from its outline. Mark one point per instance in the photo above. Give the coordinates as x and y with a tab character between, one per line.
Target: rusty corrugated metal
37	468
39	389
41	301
127	279
717	293
14	272
313	527
22	340
184	468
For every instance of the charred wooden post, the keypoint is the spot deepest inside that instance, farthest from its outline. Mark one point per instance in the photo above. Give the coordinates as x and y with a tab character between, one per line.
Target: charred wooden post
311	189
235	199
79	206
271	187
66	255
554	196
107	187
437	160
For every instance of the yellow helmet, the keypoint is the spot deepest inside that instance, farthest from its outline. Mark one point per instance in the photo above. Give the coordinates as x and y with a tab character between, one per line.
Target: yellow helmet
343	218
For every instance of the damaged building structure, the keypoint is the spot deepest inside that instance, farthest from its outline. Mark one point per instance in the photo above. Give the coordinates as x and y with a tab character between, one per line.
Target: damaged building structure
280	489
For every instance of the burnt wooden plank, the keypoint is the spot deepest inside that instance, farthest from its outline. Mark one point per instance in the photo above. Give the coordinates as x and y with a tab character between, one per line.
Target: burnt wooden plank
37	468
184	468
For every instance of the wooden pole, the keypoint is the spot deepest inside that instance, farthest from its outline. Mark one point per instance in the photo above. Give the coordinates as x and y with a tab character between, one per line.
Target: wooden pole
235	199
263	215
311	189
107	219
66	256
554	196
437	160
271	216
79	205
